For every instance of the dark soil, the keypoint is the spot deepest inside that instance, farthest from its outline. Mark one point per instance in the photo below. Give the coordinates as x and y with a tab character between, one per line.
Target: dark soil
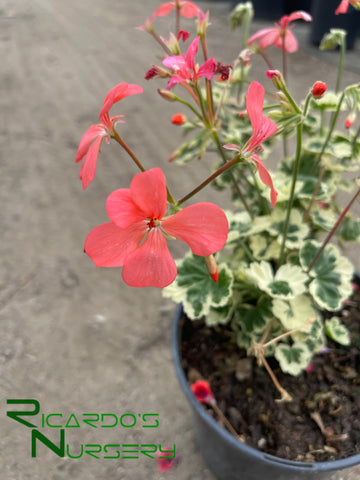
322	422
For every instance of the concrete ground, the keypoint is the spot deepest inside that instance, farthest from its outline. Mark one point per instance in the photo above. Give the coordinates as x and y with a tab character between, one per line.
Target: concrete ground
74	337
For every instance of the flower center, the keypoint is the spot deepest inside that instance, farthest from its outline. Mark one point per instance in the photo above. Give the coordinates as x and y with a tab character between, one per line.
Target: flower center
153	223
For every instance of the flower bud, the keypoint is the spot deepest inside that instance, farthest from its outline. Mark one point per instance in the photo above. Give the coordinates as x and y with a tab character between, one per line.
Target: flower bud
211	267
350	119
178	119
318	89
202	23
239	14
333	39
276	77
203	393
167	95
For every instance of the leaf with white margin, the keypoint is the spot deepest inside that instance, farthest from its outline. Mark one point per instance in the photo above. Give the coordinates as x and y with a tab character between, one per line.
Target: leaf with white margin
323	218
218	316
242	225
314	339
196	290
293	359
297	229
288	282
263	249
337	331
294	313
332	275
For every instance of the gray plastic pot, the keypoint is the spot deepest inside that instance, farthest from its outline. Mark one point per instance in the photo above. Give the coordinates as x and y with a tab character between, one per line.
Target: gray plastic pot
230	459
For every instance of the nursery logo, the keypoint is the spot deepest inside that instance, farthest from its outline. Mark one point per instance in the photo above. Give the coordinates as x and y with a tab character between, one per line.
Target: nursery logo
60	423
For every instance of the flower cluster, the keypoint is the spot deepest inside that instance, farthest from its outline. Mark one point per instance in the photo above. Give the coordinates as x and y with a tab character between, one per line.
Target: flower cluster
267	267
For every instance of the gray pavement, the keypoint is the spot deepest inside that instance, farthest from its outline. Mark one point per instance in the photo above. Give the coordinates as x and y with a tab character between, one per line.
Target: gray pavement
75	337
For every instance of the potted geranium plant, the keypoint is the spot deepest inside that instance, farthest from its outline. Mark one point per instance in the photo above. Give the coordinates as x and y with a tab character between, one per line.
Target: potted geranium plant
266	287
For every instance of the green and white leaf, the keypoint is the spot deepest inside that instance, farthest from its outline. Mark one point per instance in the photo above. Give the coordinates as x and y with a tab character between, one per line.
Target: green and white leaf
241	225
219	316
297	230
337	331
293	359
323	218
332	274
314	339
349	230
262	249
196	290
288	282
295	313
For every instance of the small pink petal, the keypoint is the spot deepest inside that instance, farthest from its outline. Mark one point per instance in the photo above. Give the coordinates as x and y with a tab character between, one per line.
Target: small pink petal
203	226
191	53
175	62
232	146
291	43
271	38
118	93
266	178
300	15
189	9
148	192
163	10
108	245
150	265
174	80
87	139
122	210
207	69
260	34
183	35
88	168
254	105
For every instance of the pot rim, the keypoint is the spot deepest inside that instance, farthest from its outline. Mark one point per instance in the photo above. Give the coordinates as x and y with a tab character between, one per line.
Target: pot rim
332	465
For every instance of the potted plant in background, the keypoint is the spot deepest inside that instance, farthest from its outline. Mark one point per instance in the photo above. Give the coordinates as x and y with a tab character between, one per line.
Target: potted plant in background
265	290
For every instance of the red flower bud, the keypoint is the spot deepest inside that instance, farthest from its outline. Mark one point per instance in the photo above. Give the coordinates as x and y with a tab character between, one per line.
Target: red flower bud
178	119
318	89
277	78
211	266
202	391
350	119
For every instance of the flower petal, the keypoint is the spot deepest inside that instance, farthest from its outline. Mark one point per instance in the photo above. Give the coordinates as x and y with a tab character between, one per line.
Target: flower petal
343	7
116	94
163	10
108	245
203	226
122	210
88	168
87	139
150	265
189	9
291	43
254	105
300	15
207	69
148	192
266	178
260	34
175	62
271	38
191	52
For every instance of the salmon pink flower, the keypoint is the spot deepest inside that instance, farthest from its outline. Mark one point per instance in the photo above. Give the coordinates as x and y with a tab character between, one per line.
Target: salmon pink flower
280	36
186	9
202	391
91	141
135	237
344	6
263	128
184	66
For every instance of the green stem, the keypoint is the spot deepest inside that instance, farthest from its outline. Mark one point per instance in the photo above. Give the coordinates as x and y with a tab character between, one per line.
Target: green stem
117	137
292	192
209	95
160	42
331	129
181	100
284	59
341	63
218	172
233	179
317	186
331	233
